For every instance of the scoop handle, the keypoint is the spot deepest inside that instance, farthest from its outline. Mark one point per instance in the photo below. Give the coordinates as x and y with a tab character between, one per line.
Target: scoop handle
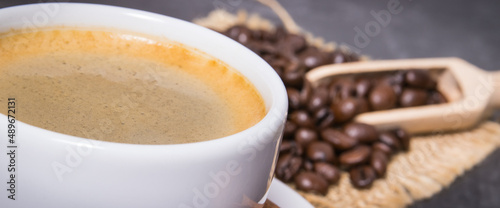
495	96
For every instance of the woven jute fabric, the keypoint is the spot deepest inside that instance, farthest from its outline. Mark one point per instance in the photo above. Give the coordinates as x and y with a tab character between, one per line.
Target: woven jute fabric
432	164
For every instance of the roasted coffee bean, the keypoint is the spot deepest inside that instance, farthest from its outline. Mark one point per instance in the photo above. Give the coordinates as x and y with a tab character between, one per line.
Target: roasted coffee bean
362	132
339	57
338	139
304	136
435	97
301	118
261	48
275	62
311	182
344	110
287	146
320	151
379	161
240	33
279	34
356	156
390	139
261	35
293	65
296	42
341	89
382	97
380	146
293	78
328	171
324	117
311	57
318	99
404	138
398	89
334	92
289	130
362	177
305	93
363	86
287	166
413	97
363	105
420	79
350	56
308	165
293	98
399	78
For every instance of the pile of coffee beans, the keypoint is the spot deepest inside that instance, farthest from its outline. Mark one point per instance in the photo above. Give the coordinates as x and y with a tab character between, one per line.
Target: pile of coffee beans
320	139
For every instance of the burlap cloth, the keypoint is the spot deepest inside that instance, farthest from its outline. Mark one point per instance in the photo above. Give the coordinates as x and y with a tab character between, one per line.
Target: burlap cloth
433	162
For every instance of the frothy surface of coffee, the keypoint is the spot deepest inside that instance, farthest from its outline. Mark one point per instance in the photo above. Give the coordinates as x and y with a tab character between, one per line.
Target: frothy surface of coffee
123	87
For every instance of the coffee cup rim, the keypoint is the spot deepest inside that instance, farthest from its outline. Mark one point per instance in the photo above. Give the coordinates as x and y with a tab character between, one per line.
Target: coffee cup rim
276	108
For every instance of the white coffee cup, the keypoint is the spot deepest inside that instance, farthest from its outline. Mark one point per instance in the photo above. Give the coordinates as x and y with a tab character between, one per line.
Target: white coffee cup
57	170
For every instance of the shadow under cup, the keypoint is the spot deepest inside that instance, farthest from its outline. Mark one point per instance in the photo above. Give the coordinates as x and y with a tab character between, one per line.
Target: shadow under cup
56	170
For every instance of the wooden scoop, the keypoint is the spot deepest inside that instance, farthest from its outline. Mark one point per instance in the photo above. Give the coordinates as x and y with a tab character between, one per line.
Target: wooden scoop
471	93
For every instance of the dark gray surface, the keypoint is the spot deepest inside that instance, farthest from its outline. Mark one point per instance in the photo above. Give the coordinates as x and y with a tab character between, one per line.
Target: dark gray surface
423	28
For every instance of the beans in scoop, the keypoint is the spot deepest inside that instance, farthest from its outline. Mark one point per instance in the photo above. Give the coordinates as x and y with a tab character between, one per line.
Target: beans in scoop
320	138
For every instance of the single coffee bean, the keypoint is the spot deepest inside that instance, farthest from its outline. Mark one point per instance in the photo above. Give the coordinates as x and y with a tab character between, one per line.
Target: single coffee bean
382	147
301	118
328	171
435	97
275	62
293	98
324	117
379	161
240	33
308	165
362	177
262	49
279	34
286	51
356	156
286	146
344	110
347	88
293	65
304	136
334	92
382	97
305	93
363	105
320	151
413	97
296	42
398	89
318	99
338	139
312	57
404	138
362	132
351	56
311	182
420	79
287	166
363	86
338	57
289	130
261	35
398	78
293	78
390	139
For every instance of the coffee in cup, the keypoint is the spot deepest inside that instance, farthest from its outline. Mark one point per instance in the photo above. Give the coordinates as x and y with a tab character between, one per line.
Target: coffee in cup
123	87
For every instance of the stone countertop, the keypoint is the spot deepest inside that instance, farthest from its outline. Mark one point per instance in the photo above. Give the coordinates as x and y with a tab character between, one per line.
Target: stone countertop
389	29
